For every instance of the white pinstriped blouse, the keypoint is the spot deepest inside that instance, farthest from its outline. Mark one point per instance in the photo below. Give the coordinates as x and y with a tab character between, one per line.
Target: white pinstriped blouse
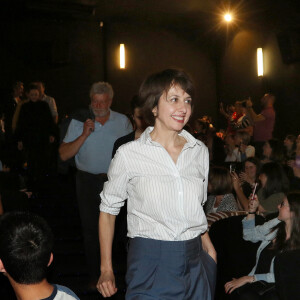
164	199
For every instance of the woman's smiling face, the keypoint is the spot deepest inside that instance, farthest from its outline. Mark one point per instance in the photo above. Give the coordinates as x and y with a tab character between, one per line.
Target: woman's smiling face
174	109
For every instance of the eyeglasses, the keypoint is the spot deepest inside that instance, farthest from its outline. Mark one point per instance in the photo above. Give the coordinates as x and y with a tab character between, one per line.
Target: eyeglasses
283	204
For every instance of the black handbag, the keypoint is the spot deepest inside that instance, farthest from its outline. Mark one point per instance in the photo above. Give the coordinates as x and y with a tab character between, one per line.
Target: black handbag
262	287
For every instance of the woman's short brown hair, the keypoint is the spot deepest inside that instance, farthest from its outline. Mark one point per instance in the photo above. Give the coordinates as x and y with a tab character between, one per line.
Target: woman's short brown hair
158	83
220	181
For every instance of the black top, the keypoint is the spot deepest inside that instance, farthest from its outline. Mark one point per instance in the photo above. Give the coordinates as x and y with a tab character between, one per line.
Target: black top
265	259
123	140
35	123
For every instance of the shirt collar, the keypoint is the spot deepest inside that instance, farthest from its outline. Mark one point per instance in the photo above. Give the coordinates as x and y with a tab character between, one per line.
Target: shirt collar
190	140
112	115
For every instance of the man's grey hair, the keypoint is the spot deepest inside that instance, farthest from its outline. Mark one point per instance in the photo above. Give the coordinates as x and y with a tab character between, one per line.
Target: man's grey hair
101	87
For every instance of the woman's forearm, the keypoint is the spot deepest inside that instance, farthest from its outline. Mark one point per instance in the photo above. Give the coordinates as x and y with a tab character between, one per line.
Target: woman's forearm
242	198
106	234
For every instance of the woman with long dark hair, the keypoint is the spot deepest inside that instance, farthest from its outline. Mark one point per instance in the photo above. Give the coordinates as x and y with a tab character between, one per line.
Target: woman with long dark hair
274	184
277	235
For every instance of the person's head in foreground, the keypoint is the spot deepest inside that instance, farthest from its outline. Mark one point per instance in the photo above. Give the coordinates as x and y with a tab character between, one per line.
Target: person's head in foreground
26	243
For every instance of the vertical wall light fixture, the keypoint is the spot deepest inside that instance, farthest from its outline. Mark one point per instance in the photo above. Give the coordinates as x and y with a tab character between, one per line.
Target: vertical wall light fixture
122	56
260	62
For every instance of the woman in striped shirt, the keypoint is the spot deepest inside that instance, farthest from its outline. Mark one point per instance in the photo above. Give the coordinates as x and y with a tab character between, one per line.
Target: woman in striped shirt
163	175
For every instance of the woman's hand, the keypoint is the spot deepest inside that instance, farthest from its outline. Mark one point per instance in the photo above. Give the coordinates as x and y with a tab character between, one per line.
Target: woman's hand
208	246
245	178
106	284
253	203
236	283
235	181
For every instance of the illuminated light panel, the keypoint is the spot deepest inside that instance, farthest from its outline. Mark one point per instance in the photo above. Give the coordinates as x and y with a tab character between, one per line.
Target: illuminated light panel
260	62
122	56
228	18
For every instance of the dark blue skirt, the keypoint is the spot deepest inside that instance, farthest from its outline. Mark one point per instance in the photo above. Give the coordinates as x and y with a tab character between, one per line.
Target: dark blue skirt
169	270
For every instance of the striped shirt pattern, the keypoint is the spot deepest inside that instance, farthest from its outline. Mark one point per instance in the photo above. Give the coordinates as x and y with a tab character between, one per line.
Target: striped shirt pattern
164	199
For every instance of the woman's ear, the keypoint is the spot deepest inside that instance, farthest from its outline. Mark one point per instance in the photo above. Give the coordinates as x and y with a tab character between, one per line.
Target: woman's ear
154	111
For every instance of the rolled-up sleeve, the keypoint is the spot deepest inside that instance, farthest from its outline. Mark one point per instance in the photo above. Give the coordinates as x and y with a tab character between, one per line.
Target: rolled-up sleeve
115	189
257	233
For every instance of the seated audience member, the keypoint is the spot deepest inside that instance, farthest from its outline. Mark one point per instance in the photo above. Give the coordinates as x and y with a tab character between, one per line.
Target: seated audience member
277	235
273	151
289	147
220	188
249	176
34	132
294	164
229	148
26	243
274	184
243	150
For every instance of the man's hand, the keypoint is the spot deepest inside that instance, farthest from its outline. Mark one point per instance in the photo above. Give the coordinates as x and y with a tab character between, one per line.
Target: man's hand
88	127
230	286
106	284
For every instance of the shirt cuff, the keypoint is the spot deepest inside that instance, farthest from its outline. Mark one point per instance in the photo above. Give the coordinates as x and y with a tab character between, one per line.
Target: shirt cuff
248	223
109	210
260	277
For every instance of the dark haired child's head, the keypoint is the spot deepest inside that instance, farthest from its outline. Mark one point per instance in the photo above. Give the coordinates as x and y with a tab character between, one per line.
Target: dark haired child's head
160	83
26	243
33	92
